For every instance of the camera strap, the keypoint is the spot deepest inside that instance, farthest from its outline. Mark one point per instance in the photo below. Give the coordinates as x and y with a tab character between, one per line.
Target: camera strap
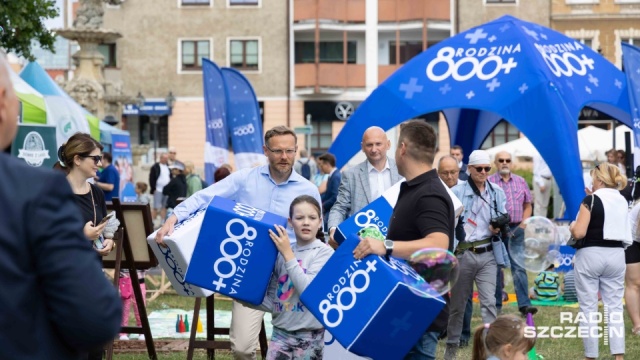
477	192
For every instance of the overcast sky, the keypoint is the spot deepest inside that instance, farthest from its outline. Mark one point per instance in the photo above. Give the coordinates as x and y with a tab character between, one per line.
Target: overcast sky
56	23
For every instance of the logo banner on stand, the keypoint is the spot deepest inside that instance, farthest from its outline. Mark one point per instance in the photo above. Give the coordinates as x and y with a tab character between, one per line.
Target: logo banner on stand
216	150
244	121
122	160
631	63
36	145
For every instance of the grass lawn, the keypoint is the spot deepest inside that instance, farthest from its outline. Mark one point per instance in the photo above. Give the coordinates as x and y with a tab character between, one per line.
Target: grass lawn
551	349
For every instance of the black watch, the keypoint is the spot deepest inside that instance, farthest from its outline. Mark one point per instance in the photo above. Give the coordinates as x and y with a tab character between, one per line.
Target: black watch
388	244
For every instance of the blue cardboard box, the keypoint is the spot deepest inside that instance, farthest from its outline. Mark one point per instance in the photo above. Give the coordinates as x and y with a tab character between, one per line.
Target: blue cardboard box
234	255
377	214
373	307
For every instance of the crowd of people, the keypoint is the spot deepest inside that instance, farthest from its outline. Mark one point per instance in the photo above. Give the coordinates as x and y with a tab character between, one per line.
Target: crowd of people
58	256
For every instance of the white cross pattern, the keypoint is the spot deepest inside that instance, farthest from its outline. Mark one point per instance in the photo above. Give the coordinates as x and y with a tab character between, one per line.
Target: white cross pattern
523	88
470	94
543	36
492	38
411	88
504	28
531	33
593	80
587	89
445	89
400	324
493	84
475	36
618	84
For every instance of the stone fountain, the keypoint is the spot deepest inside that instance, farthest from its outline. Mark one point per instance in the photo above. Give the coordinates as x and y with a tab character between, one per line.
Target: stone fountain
88	86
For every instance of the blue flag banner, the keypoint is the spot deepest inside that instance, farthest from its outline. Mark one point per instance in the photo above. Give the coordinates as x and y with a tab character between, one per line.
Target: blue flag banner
245	124
216	150
121	152
631	65
533	77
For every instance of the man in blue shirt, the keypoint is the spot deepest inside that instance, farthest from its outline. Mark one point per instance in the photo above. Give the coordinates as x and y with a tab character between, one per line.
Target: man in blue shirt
109	180
269	187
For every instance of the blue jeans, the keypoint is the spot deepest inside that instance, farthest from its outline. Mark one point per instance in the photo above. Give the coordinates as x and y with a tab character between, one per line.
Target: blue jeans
520	282
425	348
466	320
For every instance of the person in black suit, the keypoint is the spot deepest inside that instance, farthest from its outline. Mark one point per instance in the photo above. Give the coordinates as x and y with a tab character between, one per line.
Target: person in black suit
458	154
56	302
327	165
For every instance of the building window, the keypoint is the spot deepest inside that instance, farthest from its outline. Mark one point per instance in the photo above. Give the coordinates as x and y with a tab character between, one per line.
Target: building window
502	133
195	2
192	53
108	51
408	49
330	52
243	2
245	54
321	137
631	41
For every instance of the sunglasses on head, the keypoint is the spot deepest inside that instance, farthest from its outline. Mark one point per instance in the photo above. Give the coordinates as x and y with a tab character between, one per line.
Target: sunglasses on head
504	161
96	158
480	168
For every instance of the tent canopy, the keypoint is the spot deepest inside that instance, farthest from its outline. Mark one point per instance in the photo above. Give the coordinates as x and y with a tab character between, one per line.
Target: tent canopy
593	143
34	110
529	75
66	114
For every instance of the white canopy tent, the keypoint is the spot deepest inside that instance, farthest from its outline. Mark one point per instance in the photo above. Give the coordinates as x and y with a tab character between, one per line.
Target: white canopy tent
593	142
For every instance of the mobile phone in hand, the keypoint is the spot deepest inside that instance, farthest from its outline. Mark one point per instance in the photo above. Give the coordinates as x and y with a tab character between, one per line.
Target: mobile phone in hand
106	218
99	243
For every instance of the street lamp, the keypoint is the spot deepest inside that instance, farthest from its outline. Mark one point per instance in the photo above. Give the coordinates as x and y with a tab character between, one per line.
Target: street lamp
155	119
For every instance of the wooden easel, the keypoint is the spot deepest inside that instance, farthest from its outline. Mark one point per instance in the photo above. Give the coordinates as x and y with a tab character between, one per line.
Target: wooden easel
211	344
124	244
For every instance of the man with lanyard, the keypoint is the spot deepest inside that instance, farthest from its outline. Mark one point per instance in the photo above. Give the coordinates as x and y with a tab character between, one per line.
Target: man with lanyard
476	259
269	187
423	217
519	208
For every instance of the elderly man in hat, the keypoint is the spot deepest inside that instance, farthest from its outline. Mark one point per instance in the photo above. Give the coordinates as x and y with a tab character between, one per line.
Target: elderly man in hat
482	203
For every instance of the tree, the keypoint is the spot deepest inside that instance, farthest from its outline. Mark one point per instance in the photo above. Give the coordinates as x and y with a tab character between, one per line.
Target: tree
23	24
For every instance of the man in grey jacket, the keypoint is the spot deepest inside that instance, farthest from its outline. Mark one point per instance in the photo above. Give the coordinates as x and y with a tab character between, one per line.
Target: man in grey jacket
365	182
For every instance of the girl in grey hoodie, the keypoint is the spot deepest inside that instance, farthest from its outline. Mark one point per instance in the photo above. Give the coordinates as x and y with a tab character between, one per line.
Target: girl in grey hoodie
296	332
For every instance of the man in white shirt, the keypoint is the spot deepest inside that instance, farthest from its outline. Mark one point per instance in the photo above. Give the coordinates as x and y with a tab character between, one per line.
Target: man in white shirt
542	181
365	182
159	177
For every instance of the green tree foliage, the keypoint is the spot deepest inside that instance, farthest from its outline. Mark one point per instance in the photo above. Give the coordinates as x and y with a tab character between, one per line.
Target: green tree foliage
22	23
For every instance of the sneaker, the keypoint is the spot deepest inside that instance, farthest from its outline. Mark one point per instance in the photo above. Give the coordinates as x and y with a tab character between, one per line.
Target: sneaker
124	337
464	343
451	353
141	337
528	310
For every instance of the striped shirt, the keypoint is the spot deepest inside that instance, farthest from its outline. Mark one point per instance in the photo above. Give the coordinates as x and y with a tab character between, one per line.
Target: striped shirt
517	192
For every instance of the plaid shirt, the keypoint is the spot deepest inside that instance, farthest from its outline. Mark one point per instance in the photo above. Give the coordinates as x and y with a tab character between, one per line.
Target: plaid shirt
517	192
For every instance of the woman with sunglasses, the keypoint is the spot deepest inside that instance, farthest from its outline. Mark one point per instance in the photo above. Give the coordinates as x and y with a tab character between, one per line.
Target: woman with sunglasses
603	225
80	157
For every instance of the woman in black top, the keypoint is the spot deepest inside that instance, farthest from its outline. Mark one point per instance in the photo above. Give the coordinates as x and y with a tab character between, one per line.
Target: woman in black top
177	187
80	157
600	264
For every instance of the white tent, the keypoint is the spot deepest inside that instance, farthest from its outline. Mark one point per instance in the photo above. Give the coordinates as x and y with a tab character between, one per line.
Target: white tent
593	142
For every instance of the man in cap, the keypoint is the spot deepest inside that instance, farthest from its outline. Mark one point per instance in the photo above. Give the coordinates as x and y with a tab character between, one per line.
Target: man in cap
482	202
